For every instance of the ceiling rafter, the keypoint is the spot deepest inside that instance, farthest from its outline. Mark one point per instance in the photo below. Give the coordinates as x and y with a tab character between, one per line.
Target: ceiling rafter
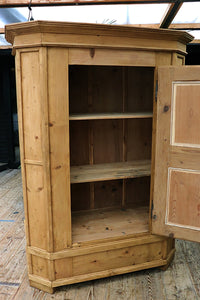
170	13
18	3
176	26
185	26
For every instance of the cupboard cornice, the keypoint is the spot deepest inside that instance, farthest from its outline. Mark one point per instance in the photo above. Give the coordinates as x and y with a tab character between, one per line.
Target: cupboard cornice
45	33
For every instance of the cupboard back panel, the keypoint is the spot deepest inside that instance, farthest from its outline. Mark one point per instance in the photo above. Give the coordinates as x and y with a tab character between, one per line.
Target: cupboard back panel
139	89
86	92
109	194
79	143
106	89
110	89
137	192
107	141
80	196
105	194
138	139
78	89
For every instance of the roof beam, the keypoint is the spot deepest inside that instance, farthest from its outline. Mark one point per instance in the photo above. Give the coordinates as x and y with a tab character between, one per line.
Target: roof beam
2	30
17	3
144	25
176	26
185	26
170	13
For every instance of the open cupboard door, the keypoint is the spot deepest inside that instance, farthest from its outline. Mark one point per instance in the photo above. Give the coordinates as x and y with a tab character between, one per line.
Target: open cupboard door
176	200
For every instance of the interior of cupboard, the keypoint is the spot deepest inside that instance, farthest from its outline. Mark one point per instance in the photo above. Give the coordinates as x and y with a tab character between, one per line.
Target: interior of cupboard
111	111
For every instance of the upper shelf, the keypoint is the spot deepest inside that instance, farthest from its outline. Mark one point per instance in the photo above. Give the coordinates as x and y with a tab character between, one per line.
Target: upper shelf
104	116
110	171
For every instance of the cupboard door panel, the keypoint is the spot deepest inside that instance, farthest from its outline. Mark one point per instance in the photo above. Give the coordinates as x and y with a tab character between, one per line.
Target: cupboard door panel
176	201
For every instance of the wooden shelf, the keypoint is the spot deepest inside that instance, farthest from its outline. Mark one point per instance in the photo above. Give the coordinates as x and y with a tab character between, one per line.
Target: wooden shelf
104	116
101	224
110	171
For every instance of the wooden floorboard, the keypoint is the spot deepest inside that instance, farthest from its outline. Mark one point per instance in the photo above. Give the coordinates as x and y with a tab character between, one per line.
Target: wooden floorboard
180	281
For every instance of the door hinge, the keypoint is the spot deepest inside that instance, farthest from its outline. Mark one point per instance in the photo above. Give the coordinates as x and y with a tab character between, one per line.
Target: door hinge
151	209
156	91
152	215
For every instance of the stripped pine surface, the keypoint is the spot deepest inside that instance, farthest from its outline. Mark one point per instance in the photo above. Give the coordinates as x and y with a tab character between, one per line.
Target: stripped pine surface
114	222
110	171
180	281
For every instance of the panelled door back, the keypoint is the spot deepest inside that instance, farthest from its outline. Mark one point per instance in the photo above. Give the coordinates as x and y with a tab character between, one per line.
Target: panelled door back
176	198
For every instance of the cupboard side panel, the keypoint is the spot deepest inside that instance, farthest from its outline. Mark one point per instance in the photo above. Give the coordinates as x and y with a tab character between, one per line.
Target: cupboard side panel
32	141
36	202
21	141
59	146
31	105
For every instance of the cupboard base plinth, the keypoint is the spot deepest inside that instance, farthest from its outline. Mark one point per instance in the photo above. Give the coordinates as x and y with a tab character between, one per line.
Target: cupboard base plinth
95	261
169	260
41	287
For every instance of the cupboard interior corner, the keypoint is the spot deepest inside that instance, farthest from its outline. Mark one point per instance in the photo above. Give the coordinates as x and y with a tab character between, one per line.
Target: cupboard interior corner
110	121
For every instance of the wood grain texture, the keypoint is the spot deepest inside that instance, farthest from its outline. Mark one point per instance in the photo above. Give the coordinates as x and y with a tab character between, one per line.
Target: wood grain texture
172	156
108	194
36	206
104	34
31	105
139	89
100	224
30	110
139	139
106	57
59	146
186	115
104	116
110	171
126	257
183	198
107	141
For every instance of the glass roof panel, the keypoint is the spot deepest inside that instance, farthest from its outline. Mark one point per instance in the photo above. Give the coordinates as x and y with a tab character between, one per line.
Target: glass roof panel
146	13
195	33
3	41
188	13
119	14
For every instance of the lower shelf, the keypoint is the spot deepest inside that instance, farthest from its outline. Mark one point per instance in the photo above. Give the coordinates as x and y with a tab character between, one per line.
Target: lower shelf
101	224
110	171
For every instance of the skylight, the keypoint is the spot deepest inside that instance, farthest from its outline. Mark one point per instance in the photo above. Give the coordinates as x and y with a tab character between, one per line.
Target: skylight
188	13
121	14
113	14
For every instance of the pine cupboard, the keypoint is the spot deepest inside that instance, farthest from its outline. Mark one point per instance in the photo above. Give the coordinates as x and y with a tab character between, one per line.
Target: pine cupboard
109	125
